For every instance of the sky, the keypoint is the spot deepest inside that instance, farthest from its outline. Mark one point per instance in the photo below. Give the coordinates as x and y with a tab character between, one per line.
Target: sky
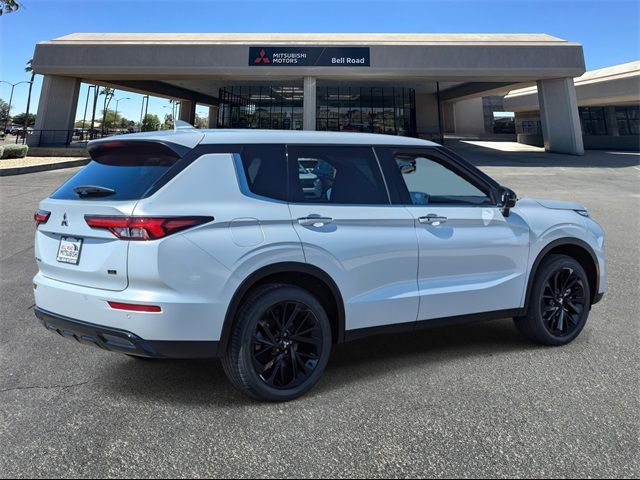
609	30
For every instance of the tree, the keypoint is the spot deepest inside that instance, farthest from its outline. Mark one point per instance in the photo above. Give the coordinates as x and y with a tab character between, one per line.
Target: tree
126	123
150	122
29	69
4	112
110	120
21	119
168	122
108	95
201	122
8	6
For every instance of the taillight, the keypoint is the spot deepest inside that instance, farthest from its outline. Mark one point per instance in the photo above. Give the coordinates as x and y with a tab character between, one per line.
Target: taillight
144	228
41	216
134	307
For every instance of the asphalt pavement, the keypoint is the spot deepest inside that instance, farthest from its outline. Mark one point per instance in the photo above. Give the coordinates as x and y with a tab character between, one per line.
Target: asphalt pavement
464	401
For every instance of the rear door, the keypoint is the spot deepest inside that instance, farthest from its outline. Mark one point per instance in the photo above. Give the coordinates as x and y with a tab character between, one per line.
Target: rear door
66	248
472	259
349	229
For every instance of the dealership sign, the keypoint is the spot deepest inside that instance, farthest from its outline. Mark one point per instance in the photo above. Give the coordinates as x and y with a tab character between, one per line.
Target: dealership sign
309	56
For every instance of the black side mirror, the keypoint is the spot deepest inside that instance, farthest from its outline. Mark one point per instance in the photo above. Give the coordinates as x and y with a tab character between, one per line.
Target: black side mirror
508	200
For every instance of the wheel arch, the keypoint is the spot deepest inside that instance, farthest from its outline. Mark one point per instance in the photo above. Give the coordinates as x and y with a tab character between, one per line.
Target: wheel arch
578	249
311	278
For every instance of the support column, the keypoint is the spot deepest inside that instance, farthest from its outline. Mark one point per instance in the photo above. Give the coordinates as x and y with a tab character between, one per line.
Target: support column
309	104
213	117
56	111
187	111
559	116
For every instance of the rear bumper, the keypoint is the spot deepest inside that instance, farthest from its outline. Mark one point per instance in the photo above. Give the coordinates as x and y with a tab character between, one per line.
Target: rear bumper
121	341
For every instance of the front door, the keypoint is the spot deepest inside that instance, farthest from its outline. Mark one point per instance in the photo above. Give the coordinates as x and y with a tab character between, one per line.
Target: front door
341	211
472	259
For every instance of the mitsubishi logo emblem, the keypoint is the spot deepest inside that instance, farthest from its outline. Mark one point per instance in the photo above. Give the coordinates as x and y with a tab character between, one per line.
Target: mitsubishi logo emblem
65	221
262	58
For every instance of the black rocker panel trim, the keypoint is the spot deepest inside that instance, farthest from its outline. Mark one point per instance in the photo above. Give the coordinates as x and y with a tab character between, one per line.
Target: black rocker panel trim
352	335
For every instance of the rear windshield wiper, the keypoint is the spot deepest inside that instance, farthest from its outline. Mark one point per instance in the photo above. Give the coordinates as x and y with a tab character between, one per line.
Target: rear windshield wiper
93	190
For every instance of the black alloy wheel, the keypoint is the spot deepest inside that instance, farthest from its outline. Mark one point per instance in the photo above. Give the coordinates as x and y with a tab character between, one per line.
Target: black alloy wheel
558	303
563	302
279	345
287	345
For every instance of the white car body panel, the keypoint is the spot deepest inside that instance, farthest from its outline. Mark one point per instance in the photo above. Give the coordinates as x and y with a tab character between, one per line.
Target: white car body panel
474	262
388	267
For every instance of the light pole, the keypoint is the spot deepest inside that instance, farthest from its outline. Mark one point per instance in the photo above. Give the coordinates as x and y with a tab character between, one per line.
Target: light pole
86	104
116	116
143	113
13	85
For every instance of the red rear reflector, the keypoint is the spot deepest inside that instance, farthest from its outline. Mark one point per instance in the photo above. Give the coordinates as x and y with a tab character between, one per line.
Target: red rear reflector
133	307
41	216
144	228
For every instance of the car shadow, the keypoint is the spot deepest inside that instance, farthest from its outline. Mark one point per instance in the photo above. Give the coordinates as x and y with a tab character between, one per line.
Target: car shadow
203	382
484	156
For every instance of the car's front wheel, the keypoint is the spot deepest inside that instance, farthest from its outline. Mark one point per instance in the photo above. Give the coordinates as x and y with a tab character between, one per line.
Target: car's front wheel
559	302
280	343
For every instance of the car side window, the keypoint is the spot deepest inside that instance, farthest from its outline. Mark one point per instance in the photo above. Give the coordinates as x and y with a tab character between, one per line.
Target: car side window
431	182
338	174
265	168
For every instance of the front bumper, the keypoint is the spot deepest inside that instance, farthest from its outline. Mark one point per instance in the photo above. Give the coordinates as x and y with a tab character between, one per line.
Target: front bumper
121	341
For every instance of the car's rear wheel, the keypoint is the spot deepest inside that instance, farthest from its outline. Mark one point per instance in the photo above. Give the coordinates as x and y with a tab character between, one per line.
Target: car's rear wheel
280	344
559	302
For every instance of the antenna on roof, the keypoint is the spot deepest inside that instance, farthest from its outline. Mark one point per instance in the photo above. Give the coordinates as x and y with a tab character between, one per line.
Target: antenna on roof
182	125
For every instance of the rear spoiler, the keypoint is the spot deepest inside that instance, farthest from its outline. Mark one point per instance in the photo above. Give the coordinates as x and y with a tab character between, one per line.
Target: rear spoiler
121	152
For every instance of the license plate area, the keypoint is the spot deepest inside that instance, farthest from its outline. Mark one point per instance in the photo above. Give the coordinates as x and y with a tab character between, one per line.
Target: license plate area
69	250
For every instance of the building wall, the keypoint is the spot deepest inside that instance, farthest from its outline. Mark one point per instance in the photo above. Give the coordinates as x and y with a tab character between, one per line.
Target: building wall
427	115
602	127
469	117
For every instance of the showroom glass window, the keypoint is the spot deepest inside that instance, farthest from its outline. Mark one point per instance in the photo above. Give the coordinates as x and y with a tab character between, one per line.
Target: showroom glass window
628	119
593	121
265	107
366	109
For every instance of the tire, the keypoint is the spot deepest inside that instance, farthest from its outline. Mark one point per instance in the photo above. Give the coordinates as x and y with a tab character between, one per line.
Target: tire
280	344
558	304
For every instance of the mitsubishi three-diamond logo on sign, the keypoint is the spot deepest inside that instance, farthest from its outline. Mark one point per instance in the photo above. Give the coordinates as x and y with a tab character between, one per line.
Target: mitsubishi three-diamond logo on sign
262	57
303	56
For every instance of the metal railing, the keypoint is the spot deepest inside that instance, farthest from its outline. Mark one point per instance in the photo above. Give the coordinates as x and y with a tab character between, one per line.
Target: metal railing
62	138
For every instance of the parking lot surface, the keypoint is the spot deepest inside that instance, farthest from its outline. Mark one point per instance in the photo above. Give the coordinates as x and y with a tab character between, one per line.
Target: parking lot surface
463	401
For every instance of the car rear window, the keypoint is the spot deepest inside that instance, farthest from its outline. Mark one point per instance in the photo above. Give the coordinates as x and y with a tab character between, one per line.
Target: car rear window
130	169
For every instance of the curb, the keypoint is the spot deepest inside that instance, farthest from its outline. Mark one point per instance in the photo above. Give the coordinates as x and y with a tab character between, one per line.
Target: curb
5	172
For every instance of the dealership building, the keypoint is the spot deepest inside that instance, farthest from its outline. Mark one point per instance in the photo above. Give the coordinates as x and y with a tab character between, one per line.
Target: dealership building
608	107
401	84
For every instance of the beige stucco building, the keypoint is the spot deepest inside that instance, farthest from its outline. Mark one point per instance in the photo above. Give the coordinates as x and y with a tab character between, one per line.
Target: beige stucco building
608	105
404	84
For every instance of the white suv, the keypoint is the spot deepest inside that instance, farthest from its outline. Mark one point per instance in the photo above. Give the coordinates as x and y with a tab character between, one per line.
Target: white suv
206	243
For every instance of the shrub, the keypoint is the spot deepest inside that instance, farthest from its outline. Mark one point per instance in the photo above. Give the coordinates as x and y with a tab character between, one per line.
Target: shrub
1	150
14	151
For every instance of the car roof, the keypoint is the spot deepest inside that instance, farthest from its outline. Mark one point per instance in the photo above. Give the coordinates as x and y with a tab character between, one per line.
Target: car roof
190	137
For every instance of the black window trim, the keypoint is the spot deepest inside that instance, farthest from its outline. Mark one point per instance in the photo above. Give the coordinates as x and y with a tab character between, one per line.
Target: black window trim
443	156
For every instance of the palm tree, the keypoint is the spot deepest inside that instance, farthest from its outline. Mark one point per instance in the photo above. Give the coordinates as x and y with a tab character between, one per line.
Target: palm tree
108	95
8	6
29	69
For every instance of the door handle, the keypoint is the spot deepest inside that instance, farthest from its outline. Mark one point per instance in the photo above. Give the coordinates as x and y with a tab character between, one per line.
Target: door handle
432	219
312	221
